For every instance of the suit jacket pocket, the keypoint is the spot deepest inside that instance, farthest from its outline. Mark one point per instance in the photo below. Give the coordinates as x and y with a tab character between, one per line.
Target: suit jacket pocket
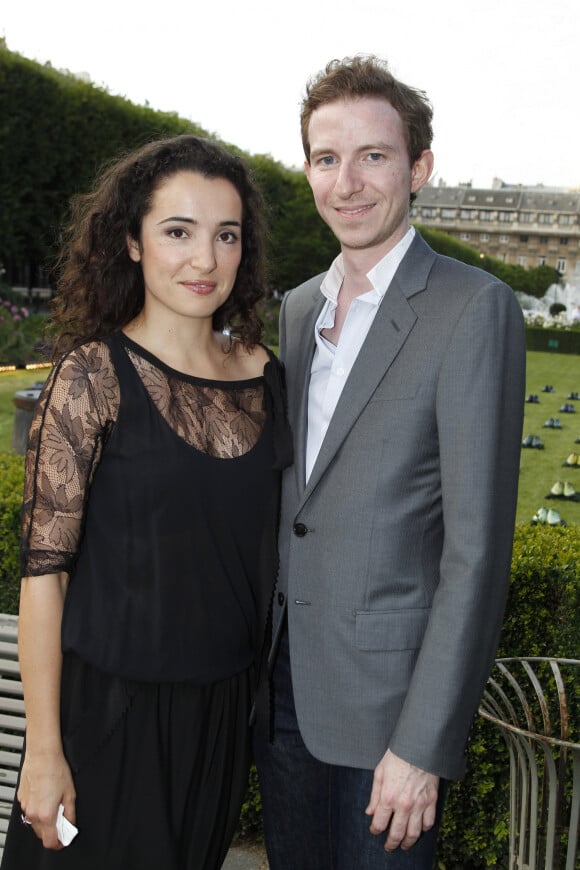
390	629
394	392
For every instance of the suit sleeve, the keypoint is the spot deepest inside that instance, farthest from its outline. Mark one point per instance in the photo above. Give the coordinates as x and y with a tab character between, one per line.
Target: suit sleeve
479	408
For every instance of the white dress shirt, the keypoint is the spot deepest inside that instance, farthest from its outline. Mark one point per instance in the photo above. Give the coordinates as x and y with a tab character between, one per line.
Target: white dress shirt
332	364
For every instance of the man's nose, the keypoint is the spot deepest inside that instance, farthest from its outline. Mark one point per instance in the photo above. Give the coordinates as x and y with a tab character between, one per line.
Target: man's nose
349	180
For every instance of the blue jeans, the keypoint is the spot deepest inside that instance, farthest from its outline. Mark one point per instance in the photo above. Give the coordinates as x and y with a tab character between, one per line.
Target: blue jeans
314	813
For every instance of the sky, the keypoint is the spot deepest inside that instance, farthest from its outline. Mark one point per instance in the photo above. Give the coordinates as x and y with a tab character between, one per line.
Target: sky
503	75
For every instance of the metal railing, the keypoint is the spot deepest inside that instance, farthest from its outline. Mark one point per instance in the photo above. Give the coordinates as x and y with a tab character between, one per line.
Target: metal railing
535	702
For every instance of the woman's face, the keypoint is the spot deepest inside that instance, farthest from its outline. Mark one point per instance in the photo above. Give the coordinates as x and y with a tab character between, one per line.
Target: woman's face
190	246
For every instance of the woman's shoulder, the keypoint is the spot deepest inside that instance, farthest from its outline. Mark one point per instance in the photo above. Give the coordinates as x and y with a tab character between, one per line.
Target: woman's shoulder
88	352
87	363
251	362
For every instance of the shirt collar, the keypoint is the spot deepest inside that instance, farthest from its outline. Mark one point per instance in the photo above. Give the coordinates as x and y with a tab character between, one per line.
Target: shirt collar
380	275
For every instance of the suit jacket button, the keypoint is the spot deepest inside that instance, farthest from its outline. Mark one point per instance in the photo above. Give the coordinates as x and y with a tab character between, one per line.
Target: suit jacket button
281	598
300	530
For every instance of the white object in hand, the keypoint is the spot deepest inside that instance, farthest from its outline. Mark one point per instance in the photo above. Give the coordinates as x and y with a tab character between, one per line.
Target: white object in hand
65	830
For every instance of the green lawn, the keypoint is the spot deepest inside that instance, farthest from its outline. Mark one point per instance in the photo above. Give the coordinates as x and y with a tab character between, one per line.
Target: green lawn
539	469
10	382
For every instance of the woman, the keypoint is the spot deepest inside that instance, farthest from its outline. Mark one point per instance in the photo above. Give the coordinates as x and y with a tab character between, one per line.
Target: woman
149	522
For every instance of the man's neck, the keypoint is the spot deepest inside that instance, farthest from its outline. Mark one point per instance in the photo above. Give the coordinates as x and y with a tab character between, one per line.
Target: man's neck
353	285
358	262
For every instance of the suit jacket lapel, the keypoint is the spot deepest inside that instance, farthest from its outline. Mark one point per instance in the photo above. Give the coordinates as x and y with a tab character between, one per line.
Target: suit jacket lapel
298	401
393	323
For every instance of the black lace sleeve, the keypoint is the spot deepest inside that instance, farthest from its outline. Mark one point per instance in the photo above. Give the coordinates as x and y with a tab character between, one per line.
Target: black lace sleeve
74	414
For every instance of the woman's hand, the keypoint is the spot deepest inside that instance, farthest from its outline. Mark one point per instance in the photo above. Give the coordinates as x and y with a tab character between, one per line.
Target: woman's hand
45	782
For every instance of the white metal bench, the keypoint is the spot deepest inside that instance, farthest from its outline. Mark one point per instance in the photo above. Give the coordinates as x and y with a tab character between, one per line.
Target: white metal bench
12	721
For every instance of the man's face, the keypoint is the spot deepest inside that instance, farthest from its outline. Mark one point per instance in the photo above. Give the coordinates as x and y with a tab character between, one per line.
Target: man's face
360	173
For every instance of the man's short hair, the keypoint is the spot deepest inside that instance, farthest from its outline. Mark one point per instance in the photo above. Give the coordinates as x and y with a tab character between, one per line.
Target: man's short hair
368	76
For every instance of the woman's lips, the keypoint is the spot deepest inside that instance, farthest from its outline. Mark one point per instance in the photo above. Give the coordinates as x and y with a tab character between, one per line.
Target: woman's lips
202	288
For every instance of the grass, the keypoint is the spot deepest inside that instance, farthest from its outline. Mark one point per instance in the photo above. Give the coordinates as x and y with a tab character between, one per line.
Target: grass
539	469
10	382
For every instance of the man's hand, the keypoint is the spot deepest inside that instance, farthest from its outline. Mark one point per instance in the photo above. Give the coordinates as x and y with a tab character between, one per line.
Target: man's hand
404	799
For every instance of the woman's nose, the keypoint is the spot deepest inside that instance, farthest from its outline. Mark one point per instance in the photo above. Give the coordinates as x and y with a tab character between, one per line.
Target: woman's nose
203	256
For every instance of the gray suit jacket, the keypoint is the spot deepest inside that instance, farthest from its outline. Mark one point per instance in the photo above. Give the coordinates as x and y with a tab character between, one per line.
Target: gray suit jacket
395	556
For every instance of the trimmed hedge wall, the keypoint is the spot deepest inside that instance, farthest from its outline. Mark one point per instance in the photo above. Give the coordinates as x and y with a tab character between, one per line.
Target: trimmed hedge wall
555	340
542	619
11	486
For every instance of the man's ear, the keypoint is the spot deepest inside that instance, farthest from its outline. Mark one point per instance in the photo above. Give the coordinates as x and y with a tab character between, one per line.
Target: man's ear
421	170
133	249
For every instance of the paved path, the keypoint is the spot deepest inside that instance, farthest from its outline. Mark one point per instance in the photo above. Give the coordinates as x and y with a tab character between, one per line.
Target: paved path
246	858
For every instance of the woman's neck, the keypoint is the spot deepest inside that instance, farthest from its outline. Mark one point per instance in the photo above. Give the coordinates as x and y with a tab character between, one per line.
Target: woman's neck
192	348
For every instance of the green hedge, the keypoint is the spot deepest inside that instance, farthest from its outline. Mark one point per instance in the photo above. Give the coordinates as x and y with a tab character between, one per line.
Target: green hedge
542	619
555	340
11	483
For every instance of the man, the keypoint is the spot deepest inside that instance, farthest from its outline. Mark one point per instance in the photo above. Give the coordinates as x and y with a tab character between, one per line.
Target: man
405	387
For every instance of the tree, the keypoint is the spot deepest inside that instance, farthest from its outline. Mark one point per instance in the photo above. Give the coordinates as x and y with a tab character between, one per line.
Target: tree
55	133
533	281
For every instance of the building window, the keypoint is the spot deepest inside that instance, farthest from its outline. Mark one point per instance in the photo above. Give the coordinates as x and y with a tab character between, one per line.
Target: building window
522	261
506	216
526	217
467	214
541	261
449	213
429	212
484	237
543	240
563	240
565	219
561	265
486	215
524	239
545	218
465	237
504	239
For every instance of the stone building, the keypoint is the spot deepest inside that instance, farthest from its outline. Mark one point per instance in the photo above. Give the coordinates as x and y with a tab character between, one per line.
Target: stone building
527	226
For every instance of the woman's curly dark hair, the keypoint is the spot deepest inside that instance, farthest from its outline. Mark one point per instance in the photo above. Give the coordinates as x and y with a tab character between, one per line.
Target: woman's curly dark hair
100	289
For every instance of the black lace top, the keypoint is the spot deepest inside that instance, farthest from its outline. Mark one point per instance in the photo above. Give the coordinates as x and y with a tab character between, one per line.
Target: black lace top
157	493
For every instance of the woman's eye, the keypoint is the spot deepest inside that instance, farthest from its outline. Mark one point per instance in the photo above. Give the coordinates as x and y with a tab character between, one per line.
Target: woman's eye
177	233
228	237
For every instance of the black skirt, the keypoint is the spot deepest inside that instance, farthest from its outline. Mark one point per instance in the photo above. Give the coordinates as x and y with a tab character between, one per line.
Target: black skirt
160	772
